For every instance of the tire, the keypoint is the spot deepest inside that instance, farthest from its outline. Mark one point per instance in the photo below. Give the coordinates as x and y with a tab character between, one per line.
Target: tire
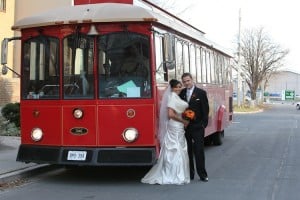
298	107
217	138
208	140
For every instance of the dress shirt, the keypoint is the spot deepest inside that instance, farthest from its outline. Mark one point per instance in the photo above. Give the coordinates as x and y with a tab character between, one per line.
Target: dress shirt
189	93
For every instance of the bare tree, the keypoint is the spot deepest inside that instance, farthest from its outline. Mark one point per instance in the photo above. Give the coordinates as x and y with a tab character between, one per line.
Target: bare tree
166	4
259	57
171	6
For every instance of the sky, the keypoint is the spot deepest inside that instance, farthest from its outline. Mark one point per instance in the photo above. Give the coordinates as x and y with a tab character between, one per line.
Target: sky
219	19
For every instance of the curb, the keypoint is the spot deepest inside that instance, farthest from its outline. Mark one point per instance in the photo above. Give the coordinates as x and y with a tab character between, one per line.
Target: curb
25	173
257	111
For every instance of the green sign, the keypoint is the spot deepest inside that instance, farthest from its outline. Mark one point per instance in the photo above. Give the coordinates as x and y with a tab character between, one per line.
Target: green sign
289	94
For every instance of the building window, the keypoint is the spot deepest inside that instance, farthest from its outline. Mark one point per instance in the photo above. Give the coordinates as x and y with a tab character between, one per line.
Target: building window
2	5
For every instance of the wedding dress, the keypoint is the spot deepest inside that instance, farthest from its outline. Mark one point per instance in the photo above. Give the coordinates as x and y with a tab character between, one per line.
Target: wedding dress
172	166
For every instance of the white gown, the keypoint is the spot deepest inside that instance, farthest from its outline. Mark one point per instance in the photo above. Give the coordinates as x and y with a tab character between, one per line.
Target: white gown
172	166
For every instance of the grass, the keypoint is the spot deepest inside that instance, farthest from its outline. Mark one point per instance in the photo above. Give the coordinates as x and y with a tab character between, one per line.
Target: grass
248	109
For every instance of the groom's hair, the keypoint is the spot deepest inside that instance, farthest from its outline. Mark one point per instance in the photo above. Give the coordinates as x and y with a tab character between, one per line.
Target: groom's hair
186	74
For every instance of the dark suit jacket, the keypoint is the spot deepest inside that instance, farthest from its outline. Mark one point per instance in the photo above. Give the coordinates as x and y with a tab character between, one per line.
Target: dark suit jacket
199	104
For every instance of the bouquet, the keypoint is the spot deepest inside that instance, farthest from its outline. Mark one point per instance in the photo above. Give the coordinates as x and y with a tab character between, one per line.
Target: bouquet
188	114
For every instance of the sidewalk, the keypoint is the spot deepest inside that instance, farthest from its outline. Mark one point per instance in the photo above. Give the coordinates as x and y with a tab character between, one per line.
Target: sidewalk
10	169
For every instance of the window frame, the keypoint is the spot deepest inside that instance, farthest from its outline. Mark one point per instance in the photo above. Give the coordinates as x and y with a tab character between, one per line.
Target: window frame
2	5
36	66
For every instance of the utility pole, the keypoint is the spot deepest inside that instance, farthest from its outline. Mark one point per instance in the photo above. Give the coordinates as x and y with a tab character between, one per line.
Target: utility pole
239	82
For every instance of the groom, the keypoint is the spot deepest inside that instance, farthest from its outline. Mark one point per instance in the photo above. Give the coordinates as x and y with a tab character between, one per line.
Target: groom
194	132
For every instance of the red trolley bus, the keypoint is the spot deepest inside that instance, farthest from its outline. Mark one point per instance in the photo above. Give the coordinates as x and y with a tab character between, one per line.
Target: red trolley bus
92	76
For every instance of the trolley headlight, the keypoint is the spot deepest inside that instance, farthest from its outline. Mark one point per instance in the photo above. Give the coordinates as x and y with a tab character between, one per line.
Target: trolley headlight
36	134
130	134
78	113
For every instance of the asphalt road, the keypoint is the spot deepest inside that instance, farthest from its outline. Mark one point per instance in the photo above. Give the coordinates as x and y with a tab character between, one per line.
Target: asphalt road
258	161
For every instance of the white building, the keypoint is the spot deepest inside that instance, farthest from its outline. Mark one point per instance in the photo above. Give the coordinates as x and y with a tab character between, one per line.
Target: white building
283	80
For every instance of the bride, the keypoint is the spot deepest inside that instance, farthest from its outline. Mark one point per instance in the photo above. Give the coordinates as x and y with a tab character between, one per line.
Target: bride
172	166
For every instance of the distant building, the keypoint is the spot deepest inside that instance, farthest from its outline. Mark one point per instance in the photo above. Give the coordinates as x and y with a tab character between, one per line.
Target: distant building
279	81
283	80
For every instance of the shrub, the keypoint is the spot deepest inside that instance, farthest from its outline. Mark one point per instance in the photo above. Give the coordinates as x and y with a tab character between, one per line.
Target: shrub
11	112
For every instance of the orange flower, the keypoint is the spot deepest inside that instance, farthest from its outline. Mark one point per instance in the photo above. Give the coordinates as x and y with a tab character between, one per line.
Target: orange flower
188	114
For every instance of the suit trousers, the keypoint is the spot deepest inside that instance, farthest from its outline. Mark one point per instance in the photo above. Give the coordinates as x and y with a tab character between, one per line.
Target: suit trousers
195	143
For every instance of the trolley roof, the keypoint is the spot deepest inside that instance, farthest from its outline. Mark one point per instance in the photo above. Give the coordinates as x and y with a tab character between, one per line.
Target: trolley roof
111	12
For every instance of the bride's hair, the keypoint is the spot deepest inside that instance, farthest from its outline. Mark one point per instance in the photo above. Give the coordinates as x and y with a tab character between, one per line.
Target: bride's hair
173	83
163	113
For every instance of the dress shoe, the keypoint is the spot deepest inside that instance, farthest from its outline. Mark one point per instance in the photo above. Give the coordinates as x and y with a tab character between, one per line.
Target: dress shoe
192	177
204	179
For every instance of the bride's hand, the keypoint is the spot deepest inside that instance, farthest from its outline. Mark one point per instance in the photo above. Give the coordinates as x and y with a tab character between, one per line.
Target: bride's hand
185	123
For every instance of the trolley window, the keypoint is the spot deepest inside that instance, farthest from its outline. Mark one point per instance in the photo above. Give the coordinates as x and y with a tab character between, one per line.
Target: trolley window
78	67
124	68
40	77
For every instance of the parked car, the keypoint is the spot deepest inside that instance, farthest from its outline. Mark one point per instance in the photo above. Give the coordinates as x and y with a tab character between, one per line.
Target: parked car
298	105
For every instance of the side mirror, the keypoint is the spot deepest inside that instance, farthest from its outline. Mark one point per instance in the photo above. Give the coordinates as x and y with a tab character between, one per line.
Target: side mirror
4	47
170	65
169	47
4	70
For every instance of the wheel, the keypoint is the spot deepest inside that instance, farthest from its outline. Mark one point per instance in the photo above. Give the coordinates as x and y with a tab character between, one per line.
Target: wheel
217	137
298	106
207	140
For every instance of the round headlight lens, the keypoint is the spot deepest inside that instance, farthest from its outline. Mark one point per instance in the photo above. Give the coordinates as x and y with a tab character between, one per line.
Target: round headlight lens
130	134
78	113
36	134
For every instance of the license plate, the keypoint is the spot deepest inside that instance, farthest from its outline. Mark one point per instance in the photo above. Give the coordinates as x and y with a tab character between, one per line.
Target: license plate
76	155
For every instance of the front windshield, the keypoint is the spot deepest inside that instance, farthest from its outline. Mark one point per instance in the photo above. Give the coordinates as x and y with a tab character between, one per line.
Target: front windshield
124	68
78	67
40	76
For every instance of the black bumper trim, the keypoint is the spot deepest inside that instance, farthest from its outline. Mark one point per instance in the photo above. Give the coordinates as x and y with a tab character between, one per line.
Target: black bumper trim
94	157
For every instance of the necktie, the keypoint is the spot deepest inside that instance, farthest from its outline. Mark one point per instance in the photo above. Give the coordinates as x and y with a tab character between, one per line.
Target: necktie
189	94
